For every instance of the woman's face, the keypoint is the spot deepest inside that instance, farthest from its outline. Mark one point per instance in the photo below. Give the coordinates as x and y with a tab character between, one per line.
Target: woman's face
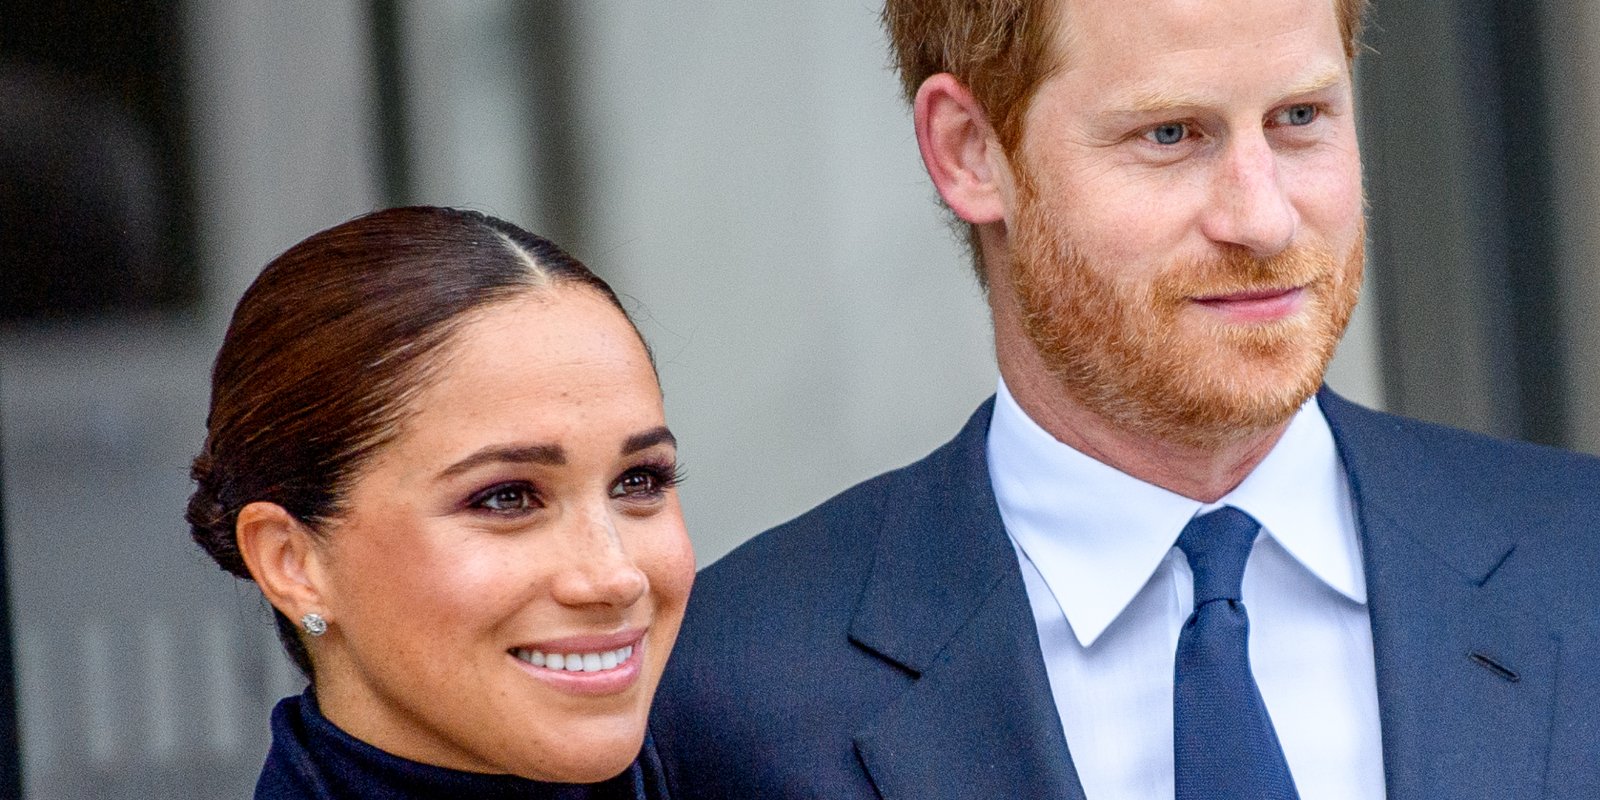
508	575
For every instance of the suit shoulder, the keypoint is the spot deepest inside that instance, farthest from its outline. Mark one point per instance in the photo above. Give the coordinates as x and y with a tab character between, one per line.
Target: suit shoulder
766	686
1535	508
831	544
1455	461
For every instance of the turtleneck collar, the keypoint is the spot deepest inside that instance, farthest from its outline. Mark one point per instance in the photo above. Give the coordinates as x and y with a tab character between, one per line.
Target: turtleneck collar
313	759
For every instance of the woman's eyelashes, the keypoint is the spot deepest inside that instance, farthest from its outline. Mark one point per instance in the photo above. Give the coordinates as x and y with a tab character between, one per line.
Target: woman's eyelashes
648	481
507	499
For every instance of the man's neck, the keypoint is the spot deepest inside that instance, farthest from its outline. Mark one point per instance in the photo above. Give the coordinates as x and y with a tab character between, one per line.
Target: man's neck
1201	473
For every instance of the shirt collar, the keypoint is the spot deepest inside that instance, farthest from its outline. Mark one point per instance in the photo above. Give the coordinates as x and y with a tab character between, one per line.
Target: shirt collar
1097	534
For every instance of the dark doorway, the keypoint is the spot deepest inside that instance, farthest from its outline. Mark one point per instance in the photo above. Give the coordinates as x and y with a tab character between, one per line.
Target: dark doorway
94	168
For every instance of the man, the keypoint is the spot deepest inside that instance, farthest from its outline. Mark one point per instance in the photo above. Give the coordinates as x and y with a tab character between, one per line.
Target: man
1159	562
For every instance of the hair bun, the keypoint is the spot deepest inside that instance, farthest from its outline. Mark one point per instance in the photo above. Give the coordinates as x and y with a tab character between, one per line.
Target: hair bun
211	524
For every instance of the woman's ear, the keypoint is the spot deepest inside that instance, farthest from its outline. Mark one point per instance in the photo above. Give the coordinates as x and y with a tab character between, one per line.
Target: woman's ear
960	150
282	556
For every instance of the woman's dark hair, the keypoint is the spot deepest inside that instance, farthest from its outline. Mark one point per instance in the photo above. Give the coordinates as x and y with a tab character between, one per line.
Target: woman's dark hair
327	348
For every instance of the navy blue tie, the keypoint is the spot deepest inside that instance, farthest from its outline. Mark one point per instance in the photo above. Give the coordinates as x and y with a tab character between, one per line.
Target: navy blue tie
1223	742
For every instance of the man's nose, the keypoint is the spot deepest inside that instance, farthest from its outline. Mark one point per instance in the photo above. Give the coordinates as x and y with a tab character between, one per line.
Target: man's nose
1249	205
595	568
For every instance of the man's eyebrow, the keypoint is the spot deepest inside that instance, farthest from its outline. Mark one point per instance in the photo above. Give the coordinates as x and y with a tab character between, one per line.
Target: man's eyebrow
512	454
648	439
1149	101
1333	76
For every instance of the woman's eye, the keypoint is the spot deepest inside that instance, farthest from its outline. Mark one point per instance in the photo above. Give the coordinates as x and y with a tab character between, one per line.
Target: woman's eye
645	482
635	484
507	499
1303	114
1168	133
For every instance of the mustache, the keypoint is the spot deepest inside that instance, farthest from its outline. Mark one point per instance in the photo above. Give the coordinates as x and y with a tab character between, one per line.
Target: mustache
1239	271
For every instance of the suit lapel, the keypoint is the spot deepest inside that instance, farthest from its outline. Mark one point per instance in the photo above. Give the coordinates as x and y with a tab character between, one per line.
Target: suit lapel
1465	678
945	601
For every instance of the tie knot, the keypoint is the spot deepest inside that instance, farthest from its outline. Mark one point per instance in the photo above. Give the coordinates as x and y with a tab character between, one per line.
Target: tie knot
1217	545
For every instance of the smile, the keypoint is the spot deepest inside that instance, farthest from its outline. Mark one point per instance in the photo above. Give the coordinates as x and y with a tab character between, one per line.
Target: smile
601	661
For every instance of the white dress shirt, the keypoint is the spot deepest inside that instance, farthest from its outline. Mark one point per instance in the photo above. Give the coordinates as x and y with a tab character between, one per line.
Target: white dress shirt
1110	592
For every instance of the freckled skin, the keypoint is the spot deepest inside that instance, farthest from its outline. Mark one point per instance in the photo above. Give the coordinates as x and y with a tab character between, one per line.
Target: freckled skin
427	592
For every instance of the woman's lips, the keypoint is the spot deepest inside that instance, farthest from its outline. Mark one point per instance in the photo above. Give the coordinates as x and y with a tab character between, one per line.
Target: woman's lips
1256	305
584	664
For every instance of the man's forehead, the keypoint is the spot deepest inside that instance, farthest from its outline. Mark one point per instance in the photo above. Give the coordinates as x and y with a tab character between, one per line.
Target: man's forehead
1087	29
1152	54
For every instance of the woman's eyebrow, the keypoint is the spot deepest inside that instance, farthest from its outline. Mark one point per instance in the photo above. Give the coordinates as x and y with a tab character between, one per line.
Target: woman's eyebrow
508	454
551	454
648	439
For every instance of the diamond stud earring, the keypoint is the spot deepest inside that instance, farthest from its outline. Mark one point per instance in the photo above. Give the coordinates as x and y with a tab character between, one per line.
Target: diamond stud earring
314	624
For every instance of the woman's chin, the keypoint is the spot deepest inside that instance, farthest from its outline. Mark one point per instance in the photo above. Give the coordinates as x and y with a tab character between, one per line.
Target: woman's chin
586	759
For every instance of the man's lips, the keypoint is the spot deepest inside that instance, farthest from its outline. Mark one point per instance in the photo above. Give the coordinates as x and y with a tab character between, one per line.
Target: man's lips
1255	305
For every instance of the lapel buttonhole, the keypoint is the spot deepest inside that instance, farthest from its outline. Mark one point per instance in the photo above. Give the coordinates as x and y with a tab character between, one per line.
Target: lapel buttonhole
1494	666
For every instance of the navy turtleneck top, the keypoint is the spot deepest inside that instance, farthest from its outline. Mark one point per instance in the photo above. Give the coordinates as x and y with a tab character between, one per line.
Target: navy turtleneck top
311	759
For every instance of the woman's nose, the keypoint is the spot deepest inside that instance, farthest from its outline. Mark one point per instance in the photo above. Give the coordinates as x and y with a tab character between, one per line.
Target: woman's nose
597	569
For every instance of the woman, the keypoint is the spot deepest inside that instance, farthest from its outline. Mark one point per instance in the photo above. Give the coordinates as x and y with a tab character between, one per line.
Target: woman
436	443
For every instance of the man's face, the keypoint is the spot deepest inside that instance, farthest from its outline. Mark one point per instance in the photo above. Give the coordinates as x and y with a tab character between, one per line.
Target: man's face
1185	227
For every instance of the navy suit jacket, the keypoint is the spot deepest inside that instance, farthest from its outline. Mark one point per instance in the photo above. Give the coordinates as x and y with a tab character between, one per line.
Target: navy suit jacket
882	644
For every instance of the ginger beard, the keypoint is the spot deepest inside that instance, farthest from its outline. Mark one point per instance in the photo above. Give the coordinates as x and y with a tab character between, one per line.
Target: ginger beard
1143	358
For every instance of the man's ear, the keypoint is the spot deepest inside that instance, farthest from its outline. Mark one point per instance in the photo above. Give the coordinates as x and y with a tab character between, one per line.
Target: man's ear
283	557
960	150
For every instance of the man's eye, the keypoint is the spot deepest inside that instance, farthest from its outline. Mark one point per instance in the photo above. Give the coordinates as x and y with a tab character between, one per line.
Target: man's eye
509	498
1169	133
1303	114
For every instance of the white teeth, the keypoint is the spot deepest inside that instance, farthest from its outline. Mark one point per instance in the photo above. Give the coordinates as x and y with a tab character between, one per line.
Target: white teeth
577	662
